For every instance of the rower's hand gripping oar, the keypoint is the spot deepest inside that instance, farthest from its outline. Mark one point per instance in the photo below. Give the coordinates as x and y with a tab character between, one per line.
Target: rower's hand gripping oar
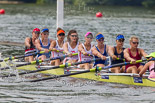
55	67
39	61
91	70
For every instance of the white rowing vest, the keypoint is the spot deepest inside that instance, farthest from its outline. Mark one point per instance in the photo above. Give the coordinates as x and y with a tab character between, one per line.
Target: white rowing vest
83	57
56	54
75	50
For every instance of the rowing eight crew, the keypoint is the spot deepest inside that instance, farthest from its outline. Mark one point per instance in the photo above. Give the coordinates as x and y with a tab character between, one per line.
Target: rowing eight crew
101	50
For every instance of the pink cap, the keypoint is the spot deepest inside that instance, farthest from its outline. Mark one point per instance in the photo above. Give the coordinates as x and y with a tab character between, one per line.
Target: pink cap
87	34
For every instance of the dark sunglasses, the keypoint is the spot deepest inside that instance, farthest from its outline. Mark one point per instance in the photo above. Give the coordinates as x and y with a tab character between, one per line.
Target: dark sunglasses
135	42
121	40
74	36
37	32
62	34
89	37
46	33
102	39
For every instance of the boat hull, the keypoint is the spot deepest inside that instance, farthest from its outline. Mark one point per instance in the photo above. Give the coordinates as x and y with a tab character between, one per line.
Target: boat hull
122	78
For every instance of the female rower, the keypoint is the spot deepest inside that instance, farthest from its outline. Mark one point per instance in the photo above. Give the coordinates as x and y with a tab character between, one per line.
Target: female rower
100	50
71	46
132	54
30	46
43	44
84	50
57	45
150	65
117	52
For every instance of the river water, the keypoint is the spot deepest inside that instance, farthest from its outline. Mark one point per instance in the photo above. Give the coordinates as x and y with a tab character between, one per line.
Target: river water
20	20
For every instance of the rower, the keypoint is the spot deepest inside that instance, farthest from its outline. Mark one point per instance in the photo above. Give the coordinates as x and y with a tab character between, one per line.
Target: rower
150	65
43	44
30	46
132	54
71	46
117	52
84	50
57	45
100	50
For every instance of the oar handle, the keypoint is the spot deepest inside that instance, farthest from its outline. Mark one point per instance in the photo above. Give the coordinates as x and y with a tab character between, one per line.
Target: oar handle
120	59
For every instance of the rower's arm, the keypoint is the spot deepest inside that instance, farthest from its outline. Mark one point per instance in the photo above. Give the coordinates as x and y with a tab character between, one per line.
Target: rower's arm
27	42
65	48
146	66
95	52
143	53
126	55
53	44
38	46
81	49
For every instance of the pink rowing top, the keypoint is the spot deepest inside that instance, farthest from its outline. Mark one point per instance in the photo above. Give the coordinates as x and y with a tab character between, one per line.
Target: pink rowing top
152	72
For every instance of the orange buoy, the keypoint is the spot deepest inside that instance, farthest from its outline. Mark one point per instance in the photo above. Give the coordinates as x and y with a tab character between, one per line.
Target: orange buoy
99	15
2	11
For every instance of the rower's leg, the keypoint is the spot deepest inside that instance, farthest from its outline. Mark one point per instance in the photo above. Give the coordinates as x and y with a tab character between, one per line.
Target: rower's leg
57	62
140	68
115	70
86	66
132	69
31	58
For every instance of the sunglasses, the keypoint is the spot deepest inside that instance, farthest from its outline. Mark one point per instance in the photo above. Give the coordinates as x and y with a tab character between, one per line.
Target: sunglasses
89	37
135	42
73	35
62	34
37	32
46	33
121	40
102	39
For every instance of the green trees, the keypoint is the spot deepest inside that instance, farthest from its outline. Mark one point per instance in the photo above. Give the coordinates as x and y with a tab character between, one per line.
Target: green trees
145	3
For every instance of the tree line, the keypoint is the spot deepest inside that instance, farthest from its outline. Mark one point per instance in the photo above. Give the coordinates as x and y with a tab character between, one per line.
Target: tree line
144	3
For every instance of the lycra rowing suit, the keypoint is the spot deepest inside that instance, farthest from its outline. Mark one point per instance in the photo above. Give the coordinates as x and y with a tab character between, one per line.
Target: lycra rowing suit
45	47
83	57
31	49
121	55
70	49
137	57
56	54
104	54
152	71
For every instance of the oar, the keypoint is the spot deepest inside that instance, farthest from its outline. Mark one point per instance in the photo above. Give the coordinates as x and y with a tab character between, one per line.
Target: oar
54	67
90	70
39	61
29	54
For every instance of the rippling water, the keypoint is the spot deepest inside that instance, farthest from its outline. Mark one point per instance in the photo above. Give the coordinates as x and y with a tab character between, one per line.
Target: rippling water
18	23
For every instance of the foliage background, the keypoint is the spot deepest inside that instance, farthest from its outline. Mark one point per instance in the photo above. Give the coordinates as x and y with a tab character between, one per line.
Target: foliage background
144	3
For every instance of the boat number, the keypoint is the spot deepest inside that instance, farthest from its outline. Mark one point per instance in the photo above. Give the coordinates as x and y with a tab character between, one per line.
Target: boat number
138	80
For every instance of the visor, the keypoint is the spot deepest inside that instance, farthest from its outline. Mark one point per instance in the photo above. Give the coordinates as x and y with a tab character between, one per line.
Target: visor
36	29
99	36
88	34
119	37
60	31
43	30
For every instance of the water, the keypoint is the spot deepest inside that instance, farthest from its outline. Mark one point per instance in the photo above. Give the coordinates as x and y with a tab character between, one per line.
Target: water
19	21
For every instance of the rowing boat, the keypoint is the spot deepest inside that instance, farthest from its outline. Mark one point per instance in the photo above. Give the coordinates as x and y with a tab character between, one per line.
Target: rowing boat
122	78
